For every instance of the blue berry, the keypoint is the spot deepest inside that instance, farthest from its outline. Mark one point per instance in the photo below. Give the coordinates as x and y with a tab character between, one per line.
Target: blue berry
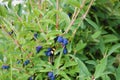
65	51
30	78
69	14
60	39
65	41
19	61
35	35
49	49
26	62
52	78
38	48
11	32
5	67
48	52
50	74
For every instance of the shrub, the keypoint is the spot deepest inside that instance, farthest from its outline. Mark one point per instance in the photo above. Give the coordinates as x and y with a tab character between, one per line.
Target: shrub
59	40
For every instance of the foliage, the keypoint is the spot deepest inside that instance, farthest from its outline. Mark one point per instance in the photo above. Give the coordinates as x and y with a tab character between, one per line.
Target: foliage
60	40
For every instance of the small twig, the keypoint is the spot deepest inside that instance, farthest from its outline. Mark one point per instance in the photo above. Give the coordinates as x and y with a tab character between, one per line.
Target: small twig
15	41
74	17
57	17
71	23
83	17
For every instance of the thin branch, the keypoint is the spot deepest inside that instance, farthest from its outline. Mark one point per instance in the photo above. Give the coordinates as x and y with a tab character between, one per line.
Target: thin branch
83	17
74	17
15	41
57	17
71	23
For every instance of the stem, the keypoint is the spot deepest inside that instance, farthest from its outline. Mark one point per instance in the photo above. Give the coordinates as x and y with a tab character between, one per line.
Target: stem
57	17
11	67
74	17
72	21
84	16
15	41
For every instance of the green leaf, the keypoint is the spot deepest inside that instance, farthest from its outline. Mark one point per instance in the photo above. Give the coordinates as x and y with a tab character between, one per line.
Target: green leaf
3	11
113	49
49	21
110	38
99	70
118	73
92	62
53	33
50	14
80	45
69	64
93	24
74	3
105	77
62	73
19	12
57	61
96	34
64	18
45	70
84	73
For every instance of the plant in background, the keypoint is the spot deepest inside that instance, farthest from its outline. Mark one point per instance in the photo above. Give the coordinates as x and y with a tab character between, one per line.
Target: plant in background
73	39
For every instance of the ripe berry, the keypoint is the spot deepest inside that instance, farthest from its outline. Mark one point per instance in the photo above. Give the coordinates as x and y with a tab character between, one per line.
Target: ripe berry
51	76
38	48
49	52
49	49
35	35
60	39
11	32
70	14
65	51
26	62
5	67
30	78
65	41
19	61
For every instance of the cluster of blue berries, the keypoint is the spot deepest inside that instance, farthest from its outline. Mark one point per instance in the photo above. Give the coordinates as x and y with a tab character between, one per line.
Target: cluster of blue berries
50	52
64	42
5	67
51	76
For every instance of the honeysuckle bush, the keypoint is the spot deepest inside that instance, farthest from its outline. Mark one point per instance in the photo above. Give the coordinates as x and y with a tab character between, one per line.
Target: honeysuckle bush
59	40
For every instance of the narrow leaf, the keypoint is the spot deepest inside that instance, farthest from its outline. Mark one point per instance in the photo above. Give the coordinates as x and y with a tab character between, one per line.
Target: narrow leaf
93	24
100	68
113	48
